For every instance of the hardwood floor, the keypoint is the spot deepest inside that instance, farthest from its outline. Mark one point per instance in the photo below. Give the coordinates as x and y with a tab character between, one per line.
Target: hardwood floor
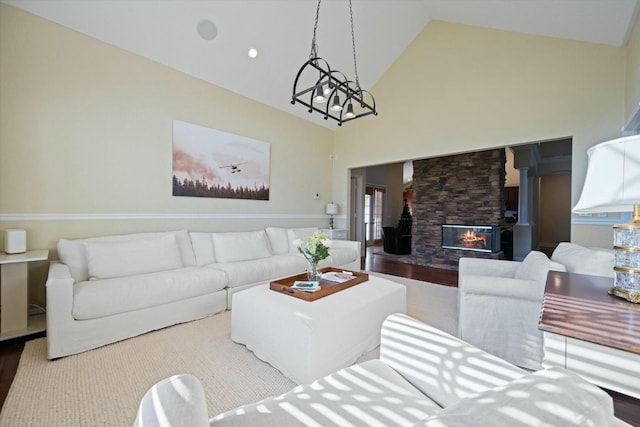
391	265
626	408
10	352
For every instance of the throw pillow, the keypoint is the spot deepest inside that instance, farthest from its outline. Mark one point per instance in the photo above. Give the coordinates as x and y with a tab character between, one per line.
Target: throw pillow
241	246
535	267
203	247
118	259
72	253
278	239
298	234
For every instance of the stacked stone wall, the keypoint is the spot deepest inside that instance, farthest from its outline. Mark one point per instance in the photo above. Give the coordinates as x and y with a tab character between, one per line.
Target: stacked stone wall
465	189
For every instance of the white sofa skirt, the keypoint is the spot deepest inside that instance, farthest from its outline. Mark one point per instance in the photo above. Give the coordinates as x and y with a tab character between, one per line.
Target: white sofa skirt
66	336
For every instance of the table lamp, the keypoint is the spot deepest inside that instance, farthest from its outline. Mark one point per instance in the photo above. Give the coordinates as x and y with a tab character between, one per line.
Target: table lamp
612	184
332	209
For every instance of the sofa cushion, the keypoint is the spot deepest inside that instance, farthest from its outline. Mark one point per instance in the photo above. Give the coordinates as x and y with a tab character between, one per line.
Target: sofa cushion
339	256
278	239
241	246
535	267
550	397
261	270
117	259
73	252
581	260
294	234
100	298
203	247
369	393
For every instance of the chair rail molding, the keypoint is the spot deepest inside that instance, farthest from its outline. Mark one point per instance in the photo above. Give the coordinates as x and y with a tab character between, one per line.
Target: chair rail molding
160	216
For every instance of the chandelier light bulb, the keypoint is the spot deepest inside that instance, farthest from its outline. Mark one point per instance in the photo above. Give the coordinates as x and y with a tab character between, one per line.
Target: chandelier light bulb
319	96
336	104
349	114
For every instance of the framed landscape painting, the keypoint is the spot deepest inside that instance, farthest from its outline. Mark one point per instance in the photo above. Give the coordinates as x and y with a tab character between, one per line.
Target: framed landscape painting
211	163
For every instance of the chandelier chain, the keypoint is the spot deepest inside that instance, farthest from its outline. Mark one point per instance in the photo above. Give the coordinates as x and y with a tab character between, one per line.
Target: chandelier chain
353	44
314	48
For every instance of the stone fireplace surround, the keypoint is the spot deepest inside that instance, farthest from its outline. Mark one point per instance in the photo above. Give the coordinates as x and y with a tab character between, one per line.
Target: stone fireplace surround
459	189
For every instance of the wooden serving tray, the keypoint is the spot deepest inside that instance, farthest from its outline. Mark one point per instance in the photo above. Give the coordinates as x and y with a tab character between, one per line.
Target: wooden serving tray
326	287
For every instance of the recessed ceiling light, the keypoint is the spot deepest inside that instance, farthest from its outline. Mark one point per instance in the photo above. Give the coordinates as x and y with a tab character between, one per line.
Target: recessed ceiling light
253	52
207	29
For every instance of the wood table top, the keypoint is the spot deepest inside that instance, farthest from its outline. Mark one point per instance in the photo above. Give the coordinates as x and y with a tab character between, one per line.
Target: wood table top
578	306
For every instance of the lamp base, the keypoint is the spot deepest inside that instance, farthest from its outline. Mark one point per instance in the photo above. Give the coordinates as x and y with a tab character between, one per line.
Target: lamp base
627	294
626	244
331	223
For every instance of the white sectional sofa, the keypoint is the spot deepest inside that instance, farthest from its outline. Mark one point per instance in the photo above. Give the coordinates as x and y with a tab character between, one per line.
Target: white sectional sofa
254	257
424	377
109	288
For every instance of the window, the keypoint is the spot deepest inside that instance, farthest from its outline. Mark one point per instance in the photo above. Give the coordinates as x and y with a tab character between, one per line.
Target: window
373	209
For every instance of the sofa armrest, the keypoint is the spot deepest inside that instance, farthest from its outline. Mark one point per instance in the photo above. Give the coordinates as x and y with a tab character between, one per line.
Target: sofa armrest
347	244
59	289
440	365
175	401
487	267
500	287
59	273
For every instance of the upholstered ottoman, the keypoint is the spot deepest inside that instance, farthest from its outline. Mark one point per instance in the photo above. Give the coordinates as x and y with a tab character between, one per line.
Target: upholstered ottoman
308	340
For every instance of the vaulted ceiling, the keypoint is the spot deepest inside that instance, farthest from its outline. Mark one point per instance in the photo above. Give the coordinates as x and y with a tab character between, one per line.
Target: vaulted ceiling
166	31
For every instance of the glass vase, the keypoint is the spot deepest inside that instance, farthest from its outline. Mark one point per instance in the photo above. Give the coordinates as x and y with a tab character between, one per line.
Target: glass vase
312	271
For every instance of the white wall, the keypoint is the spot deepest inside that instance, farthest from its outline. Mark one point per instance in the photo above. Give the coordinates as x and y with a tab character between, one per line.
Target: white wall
86	142
460	88
85	127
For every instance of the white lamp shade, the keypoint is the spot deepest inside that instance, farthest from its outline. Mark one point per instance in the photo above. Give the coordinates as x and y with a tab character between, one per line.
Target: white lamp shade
612	183
332	208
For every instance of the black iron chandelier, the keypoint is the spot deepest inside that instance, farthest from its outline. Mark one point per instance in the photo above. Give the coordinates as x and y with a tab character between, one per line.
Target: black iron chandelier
348	100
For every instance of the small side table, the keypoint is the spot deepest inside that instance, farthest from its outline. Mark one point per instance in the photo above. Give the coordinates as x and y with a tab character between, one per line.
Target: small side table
14	309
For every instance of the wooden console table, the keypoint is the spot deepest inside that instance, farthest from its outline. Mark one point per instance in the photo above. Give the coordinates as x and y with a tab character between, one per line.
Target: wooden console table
590	332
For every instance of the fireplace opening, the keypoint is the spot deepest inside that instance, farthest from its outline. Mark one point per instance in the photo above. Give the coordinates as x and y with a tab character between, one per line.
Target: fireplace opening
478	238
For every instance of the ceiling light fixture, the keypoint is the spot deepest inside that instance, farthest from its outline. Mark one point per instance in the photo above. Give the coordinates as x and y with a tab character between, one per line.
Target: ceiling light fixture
331	85
252	53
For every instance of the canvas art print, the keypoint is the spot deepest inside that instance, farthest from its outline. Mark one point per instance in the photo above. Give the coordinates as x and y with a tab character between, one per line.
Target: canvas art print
211	163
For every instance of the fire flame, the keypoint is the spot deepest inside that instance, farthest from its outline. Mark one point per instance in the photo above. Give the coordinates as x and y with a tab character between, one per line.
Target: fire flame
471	239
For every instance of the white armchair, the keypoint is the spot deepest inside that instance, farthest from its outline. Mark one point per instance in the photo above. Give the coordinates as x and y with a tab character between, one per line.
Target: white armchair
499	306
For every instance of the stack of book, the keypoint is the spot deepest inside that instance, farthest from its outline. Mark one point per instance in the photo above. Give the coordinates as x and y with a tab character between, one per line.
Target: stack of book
307	286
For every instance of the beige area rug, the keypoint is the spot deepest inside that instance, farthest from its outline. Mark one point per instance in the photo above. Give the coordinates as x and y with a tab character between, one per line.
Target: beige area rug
103	387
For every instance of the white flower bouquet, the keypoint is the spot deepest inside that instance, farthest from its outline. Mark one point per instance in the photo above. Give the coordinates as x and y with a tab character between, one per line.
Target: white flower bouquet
315	248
